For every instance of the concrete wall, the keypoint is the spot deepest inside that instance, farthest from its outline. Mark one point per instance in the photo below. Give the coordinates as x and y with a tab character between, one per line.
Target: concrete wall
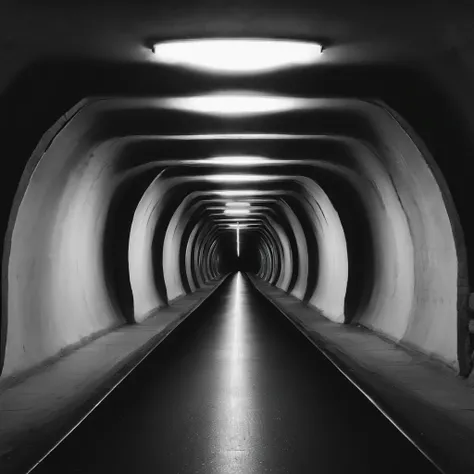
149	291
56	288
416	291
57	236
299	287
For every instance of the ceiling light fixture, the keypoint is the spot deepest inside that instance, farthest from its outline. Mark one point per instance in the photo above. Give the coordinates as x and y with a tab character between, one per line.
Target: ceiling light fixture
233	226
236	212
238	239
235	178
239	192
233	220
237	56
241	226
244	160
237	204
235	103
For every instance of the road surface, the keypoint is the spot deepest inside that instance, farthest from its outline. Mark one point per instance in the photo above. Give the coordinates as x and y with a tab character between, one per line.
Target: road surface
236	388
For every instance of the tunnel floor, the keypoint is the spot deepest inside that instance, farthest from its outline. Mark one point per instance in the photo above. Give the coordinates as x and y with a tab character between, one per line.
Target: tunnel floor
236	388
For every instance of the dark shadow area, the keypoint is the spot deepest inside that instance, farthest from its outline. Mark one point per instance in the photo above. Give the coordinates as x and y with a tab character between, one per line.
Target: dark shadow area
228	260
248	262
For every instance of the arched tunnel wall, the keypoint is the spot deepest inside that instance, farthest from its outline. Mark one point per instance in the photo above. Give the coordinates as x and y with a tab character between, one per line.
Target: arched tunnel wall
69	193
55	254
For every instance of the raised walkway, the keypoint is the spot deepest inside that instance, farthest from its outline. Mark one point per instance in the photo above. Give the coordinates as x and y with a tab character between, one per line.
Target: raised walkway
38	411
428	401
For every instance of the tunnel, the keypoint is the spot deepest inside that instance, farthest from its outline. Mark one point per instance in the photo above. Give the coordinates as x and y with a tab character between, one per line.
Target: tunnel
236	239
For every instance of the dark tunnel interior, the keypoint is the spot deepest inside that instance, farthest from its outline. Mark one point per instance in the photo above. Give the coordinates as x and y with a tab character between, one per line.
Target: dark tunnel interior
135	180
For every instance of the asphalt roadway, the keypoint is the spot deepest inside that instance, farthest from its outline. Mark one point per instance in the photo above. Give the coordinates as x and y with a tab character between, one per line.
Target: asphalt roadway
236	388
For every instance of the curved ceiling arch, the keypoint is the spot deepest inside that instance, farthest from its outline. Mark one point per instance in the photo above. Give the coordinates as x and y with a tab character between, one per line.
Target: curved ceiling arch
98	120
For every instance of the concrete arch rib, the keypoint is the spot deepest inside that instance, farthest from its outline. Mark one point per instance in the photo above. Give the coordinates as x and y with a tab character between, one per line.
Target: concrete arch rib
445	244
53	251
333	270
149	294
299	287
192	204
171	253
440	287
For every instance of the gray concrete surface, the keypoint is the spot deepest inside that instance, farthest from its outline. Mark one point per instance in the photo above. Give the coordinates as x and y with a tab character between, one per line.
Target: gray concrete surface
235	389
417	271
425	397
37	411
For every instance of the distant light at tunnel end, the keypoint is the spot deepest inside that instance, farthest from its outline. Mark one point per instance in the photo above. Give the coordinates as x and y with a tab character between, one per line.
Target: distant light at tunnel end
237	56
238	239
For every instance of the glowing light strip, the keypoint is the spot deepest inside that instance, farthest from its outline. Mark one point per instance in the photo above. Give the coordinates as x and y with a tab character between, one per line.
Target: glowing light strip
237	136
237	204
229	220
238	239
236	55
236	212
236	178
236	103
234	226
240	192
244	161
235	160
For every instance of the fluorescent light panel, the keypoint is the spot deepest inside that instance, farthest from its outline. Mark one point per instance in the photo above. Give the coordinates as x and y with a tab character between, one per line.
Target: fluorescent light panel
239	192
244	160
236	136
242	226
233	226
235	178
224	220
237	204
236	212
235	103
237	56
238	240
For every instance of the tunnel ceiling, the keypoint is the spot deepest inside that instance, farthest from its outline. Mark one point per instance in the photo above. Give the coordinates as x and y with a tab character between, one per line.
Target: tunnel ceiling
110	30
